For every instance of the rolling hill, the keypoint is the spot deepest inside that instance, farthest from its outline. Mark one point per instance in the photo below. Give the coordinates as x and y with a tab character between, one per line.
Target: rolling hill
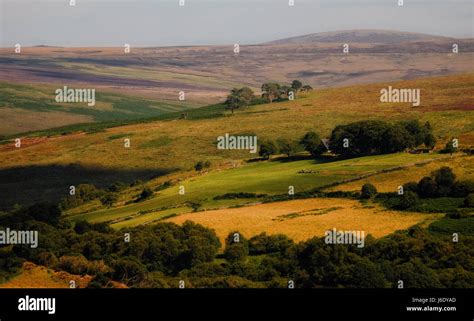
361	36
147	81
166	150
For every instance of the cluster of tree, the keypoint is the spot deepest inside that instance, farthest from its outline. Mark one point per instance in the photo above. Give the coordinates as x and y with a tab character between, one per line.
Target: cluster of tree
310	142
84	193
273	91
378	137
440	183
243	97
163	254
437	193
356	139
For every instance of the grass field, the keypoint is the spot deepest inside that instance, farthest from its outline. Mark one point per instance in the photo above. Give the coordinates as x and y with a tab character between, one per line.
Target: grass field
261	178
303	219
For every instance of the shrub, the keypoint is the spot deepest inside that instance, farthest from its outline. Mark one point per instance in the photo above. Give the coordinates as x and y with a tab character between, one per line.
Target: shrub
368	191
74	264
469	201
146	193
267	149
263	243
462	189
444	177
236	247
407	200
427	187
109	199
117	187
45	212
410	187
199	166
235	252
449	148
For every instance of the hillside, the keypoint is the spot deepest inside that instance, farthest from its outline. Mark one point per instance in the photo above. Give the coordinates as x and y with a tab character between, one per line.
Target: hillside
147	81
45	167
27	108
361	36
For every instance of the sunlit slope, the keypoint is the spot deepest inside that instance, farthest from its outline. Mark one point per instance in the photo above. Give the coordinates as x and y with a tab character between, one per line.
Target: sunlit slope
446	102
162	147
271	178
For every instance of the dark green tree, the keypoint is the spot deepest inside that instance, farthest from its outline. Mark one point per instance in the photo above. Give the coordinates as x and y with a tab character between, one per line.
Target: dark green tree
368	191
312	143
267	149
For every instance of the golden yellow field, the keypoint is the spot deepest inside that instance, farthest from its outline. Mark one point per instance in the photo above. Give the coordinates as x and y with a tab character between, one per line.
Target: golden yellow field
463	167
303	219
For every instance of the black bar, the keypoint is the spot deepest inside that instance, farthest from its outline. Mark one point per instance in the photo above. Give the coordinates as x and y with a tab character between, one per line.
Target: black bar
238	304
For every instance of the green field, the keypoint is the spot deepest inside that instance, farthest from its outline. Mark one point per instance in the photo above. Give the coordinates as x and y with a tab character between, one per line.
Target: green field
270	177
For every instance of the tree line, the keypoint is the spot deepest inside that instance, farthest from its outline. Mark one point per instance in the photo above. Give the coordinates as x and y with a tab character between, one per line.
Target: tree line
362	138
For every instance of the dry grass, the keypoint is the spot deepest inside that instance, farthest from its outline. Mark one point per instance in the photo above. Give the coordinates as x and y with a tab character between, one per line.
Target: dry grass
463	167
341	214
35	276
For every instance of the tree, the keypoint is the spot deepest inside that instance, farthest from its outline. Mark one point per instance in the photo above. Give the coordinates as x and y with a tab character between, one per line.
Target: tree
416	131
236	247
449	148
408	200
82	227
469	201
129	270
146	193
285	91
267	149
430	141
410	186
427	187
444	177
271	91
396	138
45	212
247	95
285	146
296	86
368	191
109	199
312	144
239	98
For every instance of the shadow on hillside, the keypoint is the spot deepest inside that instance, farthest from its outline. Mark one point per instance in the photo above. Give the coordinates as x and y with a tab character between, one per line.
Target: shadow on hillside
30	184
295	158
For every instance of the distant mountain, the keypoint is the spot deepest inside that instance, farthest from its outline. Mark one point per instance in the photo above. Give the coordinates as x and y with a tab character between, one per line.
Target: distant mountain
360	36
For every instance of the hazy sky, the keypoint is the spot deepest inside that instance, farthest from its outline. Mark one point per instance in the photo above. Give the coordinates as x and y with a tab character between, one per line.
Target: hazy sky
165	23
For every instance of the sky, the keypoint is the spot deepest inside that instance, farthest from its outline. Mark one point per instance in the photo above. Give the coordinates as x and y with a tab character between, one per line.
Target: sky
142	23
